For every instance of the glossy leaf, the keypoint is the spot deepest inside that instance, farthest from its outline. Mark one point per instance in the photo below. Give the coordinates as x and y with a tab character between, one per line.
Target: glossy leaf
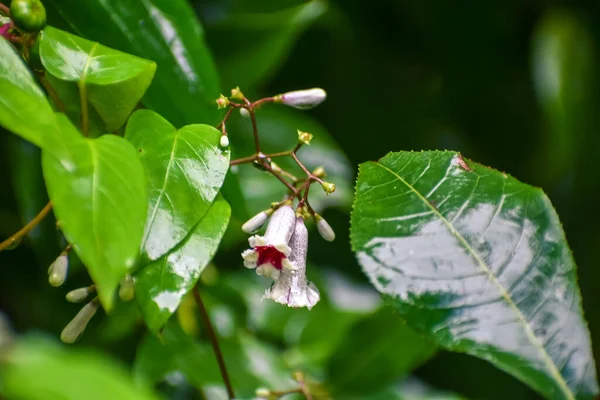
162	284
24	109
277	126
478	262
185	170
166	31
409	389
37	369
251	46
375	352
98	192
111	82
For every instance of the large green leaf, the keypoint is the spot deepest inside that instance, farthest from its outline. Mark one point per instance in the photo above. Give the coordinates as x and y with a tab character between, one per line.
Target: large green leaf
185	170
479	262
98	191
112	82
162	284
375	352
24	108
37	369
251	46
165	31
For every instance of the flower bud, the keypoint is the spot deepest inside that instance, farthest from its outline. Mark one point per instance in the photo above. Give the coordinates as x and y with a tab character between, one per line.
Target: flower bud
302	99
78	295
244	113
237	94
304	137
222	102
328	187
263	392
256	222
57	273
224	142
325	230
77	325
127	288
319	172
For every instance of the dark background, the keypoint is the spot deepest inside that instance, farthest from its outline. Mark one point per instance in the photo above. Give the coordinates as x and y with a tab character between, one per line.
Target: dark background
400	75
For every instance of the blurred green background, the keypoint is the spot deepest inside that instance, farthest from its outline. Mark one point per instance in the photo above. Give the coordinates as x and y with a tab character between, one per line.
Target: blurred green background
511	84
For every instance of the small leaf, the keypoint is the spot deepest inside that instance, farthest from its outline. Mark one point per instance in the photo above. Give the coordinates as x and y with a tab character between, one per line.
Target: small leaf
185	170
37	369
375	352
98	191
111	81
24	108
165	31
251	46
162	284
479	262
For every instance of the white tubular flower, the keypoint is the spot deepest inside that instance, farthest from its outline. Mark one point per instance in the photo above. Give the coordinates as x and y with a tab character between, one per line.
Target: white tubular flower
77	325
302	99
256	222
292	288
57	273
325	230
269	254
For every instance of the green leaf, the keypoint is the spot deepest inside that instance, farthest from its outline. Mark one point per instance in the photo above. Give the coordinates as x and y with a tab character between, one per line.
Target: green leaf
161	285
250	363
409	389
37	369
251	46
479	262
277	126
185	170
112	82
186	84
98	191
24	109
376	351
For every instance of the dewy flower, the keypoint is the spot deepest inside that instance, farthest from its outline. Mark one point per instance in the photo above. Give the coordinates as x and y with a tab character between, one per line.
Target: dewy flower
292	288
269	254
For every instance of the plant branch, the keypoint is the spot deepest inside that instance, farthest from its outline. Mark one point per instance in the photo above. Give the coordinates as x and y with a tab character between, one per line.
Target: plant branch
215	342
4	10
27	228
254	129
51	92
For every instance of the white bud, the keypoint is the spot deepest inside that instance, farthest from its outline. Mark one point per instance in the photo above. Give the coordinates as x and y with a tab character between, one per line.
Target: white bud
303	99
77	295
281	226
256	222
324	229
263	392
127	288
244	113
77	325
57	273
224	142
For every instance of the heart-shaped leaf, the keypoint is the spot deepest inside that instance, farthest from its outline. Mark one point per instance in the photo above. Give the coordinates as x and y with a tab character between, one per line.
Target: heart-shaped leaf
24	108
98	191
162	284
186	84
185	170
479	262
111	81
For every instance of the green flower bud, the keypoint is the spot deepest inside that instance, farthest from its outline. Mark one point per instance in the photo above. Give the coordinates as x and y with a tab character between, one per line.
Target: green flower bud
237	94
304	137
75	328
319	172
57	273
79	295
127	288
222	102
328	187
28	15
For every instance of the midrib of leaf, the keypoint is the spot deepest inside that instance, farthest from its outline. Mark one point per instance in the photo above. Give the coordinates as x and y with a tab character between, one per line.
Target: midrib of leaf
83	91
162	190
528	330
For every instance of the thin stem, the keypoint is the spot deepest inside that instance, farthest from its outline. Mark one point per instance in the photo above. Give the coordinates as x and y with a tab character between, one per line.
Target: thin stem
225	119
254	129
265	100
215	343
256	157
281	179
51	92
244	160
84	109
27	228
4	10
295	157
